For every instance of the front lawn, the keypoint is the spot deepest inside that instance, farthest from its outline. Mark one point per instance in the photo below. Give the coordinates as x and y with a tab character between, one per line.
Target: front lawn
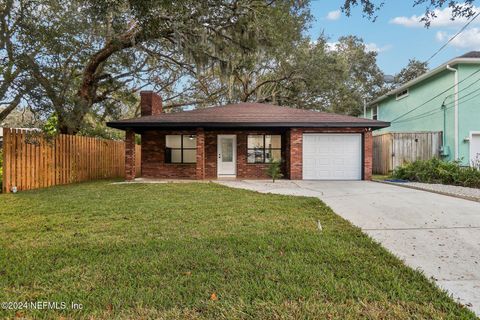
199	251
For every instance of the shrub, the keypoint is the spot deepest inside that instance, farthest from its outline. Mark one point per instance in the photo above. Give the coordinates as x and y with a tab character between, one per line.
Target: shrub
274	170
438	171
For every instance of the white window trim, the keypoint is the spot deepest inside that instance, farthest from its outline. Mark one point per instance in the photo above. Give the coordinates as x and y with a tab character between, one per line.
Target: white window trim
400	96
470	151
375	112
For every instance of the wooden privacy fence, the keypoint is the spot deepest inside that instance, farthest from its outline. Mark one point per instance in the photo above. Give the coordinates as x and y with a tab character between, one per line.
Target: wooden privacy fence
33	160
393	149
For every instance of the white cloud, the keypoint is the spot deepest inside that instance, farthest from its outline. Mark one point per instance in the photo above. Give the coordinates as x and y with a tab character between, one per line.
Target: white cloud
468	39
374	47
332	46
334	15
443	19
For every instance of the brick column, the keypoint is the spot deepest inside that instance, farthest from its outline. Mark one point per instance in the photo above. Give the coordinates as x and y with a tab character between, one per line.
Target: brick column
368	155
200	169
130	154
295	154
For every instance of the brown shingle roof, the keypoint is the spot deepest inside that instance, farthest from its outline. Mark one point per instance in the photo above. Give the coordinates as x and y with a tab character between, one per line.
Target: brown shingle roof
247	115
471	54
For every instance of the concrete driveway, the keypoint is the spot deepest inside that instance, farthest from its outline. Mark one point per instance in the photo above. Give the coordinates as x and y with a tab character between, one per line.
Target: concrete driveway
437	234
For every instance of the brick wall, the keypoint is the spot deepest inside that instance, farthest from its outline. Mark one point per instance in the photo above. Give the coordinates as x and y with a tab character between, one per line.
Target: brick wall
200	166
368	155
295	156
244	170
150	103
130	168
153	158
294	165
154	166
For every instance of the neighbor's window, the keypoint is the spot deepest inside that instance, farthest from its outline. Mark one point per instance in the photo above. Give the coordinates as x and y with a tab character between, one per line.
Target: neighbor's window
402	94
263	148
375	113
181	148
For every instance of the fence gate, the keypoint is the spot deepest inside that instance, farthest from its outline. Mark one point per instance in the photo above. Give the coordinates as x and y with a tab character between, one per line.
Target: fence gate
393	149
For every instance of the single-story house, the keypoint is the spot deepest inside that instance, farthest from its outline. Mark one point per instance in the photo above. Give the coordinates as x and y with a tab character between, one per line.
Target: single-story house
445	99
239	140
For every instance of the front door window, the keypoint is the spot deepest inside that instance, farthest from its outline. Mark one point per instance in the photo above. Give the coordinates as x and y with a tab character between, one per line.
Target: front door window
227	149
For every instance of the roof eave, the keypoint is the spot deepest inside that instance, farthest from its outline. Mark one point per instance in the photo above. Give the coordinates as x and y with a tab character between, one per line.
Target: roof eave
159	125
424	76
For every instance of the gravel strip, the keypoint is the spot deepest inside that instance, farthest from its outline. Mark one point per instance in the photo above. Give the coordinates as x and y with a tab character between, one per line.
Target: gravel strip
456	191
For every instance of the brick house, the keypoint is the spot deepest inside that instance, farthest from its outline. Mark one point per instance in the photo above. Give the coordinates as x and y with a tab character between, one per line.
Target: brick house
239	141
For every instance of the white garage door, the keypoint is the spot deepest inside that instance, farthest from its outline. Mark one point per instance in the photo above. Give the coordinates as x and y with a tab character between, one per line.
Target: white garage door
332	156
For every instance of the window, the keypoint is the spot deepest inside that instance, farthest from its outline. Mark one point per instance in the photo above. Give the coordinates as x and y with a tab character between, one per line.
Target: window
181	148
402	94
375	113
263	148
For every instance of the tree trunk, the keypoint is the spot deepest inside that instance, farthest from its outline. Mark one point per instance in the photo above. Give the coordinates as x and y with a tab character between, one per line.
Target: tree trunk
5	112
87	93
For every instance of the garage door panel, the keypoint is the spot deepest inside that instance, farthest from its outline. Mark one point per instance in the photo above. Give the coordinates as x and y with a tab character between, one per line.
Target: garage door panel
332	156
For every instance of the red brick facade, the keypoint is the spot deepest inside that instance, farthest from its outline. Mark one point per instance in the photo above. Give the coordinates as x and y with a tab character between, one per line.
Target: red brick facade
367	155
295	154
154	166
153	158
150	103
130	168
296	143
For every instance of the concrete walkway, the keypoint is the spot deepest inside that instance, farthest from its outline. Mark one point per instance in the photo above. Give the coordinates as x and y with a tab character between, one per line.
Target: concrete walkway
435	233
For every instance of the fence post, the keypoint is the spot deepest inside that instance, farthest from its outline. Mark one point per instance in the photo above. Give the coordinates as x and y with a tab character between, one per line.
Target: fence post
6	161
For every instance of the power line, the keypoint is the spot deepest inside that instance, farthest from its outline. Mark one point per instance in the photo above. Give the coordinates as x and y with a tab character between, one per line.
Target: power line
433	98
452	38
432	112
460	99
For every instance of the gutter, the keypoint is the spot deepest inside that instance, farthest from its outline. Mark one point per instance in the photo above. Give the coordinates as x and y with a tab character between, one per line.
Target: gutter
146	124
449	68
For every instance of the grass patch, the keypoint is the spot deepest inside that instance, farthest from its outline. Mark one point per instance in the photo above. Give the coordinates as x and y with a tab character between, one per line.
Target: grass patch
381	177
162	250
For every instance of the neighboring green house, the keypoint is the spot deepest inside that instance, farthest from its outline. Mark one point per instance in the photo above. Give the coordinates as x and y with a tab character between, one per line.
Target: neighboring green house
445	99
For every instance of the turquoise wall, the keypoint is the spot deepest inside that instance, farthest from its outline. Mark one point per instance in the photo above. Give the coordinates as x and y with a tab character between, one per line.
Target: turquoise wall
430	116
468	107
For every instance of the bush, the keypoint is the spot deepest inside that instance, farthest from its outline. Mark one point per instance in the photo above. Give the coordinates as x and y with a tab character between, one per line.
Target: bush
274	170
438	171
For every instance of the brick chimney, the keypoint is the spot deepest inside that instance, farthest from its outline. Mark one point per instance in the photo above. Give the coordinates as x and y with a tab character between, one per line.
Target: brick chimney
150	103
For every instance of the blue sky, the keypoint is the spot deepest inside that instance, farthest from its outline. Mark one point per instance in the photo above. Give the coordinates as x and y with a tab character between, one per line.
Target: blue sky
397	35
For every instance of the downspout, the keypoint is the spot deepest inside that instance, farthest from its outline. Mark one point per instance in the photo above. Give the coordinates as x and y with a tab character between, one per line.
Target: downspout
444	134
456	109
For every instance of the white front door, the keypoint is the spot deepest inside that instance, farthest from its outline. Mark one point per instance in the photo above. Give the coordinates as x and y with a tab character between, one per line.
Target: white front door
475	149
227	155
332	156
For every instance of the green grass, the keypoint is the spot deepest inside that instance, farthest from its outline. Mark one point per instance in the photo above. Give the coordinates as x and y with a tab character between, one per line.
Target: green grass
381	177
161	250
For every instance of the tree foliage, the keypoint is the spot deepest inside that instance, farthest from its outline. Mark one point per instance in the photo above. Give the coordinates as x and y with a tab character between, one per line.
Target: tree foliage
370	8
414	69
83	61
90	56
